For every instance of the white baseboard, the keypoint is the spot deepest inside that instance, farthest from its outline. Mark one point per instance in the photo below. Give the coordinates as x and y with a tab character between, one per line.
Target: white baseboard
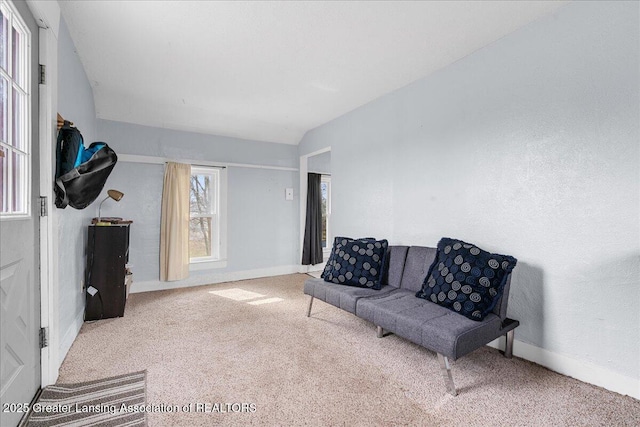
69	337
208	279
310	268
578	369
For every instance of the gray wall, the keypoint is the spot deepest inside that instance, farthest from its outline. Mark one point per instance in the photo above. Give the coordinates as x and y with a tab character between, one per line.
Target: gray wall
527	147
262	225
75	103
320	163
150	141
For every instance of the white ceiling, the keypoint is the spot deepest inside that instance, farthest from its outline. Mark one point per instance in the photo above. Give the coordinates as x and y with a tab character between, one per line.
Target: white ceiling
270	71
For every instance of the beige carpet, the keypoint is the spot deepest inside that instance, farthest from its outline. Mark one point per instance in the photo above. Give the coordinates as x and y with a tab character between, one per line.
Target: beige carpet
250	343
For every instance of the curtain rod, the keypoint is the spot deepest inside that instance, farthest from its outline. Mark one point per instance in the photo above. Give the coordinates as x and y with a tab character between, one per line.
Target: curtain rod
134	158
196	165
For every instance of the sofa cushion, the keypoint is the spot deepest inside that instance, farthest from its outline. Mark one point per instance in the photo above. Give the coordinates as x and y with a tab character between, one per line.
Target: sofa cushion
466	279
396	257
427	324
419	259
356	262
454	335
344	297
392	311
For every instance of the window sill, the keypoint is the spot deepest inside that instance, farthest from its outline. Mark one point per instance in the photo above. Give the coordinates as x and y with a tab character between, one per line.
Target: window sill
207	265
14	217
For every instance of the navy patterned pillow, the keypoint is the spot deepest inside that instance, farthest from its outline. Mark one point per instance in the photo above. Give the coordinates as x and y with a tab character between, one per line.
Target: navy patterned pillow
466	279
356	262
335	252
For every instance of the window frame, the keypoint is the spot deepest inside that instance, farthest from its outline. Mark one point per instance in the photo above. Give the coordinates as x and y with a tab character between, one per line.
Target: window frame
214	214
21	84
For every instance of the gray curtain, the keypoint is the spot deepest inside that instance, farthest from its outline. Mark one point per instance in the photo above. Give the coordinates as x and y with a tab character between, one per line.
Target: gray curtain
312	249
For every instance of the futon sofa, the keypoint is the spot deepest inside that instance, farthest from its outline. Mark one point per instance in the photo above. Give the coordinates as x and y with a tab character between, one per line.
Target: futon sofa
395	308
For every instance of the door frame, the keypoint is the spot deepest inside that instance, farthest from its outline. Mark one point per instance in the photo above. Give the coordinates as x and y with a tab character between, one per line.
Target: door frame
304	169
47	15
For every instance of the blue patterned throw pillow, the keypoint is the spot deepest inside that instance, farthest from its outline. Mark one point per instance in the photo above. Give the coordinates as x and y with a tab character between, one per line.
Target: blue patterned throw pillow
356	262
466	279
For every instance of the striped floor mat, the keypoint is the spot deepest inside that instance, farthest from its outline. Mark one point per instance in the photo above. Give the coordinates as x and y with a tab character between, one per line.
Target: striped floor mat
114	402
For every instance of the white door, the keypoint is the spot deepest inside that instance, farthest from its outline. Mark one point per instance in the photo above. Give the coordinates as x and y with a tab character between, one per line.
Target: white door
19	212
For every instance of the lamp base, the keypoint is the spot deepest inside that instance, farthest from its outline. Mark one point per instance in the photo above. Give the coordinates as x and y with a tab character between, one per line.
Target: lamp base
110	220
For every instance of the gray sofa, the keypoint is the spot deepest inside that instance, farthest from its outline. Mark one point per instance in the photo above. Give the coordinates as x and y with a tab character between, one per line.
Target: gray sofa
395	308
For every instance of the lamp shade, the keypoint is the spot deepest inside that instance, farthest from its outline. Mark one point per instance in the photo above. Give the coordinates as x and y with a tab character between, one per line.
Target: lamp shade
115	194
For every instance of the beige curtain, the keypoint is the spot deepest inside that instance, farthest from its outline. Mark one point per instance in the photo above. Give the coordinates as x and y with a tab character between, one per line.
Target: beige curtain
174	225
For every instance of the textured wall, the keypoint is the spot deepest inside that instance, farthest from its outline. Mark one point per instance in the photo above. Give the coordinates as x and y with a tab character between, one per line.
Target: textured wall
320	163
144	140
75	103
262	225
528	147
142	188
361	176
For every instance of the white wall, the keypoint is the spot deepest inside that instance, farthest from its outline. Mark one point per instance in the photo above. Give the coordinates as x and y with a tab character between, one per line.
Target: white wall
75	103
262	226
527	147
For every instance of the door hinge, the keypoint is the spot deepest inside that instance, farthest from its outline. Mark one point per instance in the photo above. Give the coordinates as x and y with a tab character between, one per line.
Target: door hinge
44	337
43	205
43	73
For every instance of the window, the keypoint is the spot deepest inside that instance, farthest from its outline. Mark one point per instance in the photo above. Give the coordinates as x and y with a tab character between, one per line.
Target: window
204	220
325	190
15	135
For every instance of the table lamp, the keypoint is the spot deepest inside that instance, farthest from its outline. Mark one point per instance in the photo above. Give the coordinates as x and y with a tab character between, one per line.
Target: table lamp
111	194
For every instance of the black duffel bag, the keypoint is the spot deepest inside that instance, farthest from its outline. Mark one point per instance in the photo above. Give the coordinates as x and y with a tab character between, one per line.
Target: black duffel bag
80	186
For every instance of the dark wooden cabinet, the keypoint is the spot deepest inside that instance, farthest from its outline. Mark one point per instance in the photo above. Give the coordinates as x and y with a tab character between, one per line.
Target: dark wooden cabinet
107	256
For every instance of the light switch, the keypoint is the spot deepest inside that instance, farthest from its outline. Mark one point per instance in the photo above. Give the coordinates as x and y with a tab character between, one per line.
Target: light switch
288	193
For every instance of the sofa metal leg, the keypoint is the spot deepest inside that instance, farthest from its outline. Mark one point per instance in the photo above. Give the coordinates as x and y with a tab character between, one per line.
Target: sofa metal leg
309	308
380	332
508	348
446	373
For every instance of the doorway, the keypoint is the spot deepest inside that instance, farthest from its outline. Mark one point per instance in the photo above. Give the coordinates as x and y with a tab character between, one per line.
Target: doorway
318	162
